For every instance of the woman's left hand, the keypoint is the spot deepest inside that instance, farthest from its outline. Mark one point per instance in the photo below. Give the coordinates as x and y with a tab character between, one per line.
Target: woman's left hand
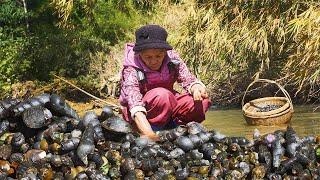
199	92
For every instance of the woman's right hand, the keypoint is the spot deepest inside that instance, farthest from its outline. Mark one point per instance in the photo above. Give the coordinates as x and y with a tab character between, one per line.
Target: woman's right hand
199	92
153	137
144	126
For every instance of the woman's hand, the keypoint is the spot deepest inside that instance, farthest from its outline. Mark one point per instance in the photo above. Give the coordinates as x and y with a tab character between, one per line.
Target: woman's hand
153	137
199	92
144	127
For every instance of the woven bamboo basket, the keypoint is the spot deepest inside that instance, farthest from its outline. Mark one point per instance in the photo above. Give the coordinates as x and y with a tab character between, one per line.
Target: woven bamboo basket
281	115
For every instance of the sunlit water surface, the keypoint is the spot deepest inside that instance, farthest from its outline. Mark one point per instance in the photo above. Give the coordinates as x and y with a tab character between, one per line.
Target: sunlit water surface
231	122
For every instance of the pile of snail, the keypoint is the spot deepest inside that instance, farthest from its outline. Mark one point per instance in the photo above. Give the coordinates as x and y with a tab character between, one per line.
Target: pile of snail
44	138
268	107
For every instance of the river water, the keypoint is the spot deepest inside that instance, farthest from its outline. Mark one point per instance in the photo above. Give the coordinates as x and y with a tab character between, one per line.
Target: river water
232	123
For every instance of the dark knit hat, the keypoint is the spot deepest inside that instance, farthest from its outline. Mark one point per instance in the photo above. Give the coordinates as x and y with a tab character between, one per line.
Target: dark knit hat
151	37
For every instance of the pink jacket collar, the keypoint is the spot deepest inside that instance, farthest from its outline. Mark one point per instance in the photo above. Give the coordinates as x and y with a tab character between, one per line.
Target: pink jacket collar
132	59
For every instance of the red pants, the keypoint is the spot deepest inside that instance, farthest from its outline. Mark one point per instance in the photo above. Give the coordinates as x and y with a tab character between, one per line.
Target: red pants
163	106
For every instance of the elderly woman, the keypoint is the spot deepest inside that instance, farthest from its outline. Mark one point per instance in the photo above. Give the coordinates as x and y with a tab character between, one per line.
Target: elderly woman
147	96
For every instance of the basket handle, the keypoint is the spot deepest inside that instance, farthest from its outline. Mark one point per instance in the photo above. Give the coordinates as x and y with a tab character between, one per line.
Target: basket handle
268	81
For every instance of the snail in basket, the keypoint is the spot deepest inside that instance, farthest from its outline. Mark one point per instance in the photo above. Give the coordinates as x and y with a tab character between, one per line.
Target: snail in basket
268	107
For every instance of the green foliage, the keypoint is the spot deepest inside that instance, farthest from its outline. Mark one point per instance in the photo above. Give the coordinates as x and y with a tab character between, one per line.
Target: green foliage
13	38
90	28
11	13
107	20
11	64
111	20
60	36
57	52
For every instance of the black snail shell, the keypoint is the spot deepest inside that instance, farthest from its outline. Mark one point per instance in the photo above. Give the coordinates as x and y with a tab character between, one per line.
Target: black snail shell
127	165
96	174
182	173
170	135
17	140
4	127
129	138
36	117
195	139
6	105
195	128
5	152
184	143
195	154
176	153
86	144
106	113
36	101
117	125
90	117
16	157
60	106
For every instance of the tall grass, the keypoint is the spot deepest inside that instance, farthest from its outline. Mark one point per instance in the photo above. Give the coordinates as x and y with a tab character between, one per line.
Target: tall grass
303	65
229	43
